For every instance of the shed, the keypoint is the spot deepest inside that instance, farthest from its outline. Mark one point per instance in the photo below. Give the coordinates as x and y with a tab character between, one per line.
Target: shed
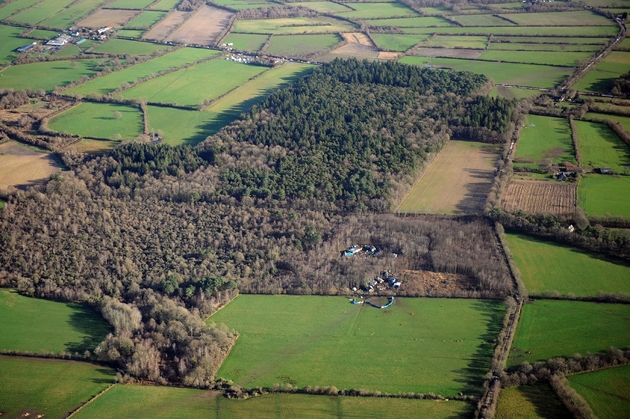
26	47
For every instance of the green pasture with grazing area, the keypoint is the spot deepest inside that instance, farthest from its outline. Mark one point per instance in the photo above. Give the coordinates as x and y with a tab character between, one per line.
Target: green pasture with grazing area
558	32
245	4
377	10
146	19
130	33
558	58
165	4
545	40
542	138
421	61
101	120
191	86
124	46
397	42
107	84
131	4
49	387
324	6
551	329
604	194
76	12
623	120
481	20
600	79
10	8
290	25
537	401
68	51
41	11
43	33
36	325
546	266
169	402
607	392
557	47
413	22
190	127
11	40
475	42
566	18
46	75
601	147
246	41
301	44
326	341
530	75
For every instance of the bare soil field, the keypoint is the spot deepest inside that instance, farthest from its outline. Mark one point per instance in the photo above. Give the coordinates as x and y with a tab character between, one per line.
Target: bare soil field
20	165
204	27
113	18
166	25
539	197
447	52
358	38
351	50
424	283
389	55
456	182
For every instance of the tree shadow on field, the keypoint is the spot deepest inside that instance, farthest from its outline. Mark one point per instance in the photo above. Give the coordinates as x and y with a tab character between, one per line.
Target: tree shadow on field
473	375
476	191
90	325
104	376
545	401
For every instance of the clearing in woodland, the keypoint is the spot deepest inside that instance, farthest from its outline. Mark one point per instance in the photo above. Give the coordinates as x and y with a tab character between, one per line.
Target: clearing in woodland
457	181
317	341
607	392
36	325
546	267
21	165
539	197
203	28
544	140
537	401
168	402
30	387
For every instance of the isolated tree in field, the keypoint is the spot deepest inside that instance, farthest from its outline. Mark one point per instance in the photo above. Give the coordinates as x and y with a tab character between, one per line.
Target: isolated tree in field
117	115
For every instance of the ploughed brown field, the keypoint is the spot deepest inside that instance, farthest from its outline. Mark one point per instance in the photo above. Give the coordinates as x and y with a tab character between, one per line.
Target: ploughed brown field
357	38
203	28
20	165
539	197
456	182
167	25
104	17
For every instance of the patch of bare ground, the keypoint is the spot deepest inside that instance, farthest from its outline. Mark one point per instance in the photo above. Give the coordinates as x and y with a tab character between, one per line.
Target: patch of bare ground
166	25
203	28
351	50
539	197
447	52
20	165
358	38
389	55
422	283
107	17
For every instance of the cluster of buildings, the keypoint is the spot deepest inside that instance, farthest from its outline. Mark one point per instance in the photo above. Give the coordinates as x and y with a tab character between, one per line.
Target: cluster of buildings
367	251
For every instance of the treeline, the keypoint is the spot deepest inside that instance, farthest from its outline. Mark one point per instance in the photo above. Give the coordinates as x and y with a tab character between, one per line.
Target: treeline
190	5
275	12
11	99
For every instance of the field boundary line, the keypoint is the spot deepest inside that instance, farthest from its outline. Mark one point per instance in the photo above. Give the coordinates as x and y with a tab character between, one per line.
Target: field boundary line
78	409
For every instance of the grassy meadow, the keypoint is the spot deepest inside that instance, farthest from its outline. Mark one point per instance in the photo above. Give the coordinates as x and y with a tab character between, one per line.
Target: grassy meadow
604	194
601	77
48	387
377	10
15	6
10	42
601	147
623	120
168	402
124	46
544	31
101	120
247	42
146	19
35	325
557	58
301	44
607	392
41	11
544	137
474	42
537	401
567	18
70	15
324	341
325	6
550	329
45	75
546	266
293	25
191	86
397	42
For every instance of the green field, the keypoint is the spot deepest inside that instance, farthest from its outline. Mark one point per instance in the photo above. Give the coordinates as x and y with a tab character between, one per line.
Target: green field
543	40
130	33
580	18
10	42
530	402
567	31
130	4
109	83
124	46
412	22
607	392
623	120
41	11
601	77
189	127
476	42
559	58
324	6
562	328
545	137
515	46
190	86
421	61
397	42
167	402
247	42
43	33
15	6
601	147
482	20
324	341
512	93
165	4
45	75
545	266
48	387
378	10
301	44
100	120
530	75
246	4
146	19
68	51
69	16
35	325
604	194
298	25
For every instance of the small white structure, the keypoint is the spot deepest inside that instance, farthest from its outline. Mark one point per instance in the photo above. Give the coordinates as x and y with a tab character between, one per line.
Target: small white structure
104	29
59	41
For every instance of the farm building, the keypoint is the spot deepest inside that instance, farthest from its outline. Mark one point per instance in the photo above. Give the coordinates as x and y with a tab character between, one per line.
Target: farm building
26	47
59	41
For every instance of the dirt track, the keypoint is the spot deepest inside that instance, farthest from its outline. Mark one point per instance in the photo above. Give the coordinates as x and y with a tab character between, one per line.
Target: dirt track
203	28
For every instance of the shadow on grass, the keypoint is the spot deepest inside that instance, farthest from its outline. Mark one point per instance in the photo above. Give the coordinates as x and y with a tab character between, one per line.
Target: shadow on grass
478	187
607	135
89	324
545	401
473	375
